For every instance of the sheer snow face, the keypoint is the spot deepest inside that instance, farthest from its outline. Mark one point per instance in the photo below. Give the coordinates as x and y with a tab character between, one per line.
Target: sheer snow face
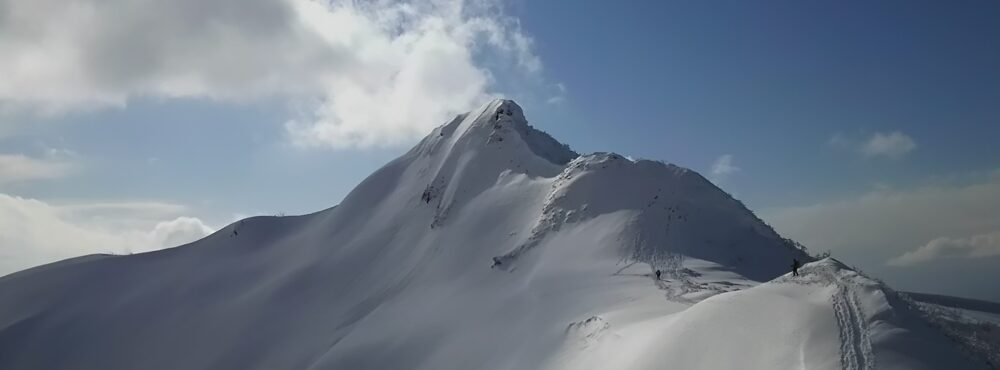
344	63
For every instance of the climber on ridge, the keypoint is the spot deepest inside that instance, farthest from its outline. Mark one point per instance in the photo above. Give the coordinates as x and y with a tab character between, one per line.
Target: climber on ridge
795	267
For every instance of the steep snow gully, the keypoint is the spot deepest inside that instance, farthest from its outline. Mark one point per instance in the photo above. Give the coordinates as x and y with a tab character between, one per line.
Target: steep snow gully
489	245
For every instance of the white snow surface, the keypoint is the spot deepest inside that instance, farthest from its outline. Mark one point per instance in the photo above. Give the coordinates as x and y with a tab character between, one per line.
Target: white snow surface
489	245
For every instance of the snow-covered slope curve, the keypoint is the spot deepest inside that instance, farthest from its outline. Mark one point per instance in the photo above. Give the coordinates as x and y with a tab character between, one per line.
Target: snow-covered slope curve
479	248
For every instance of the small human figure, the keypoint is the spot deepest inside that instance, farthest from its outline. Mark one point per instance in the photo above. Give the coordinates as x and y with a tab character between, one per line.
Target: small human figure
657	274
795	267
426	196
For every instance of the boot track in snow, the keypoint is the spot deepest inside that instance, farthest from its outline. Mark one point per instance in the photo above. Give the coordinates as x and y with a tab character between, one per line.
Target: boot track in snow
855	341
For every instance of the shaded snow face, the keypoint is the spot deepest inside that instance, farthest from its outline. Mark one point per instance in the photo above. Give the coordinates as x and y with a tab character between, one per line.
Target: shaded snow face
476	249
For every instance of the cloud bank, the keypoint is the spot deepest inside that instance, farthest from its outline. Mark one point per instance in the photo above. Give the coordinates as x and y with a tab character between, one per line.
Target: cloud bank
982	245
883	226
361	73
34	232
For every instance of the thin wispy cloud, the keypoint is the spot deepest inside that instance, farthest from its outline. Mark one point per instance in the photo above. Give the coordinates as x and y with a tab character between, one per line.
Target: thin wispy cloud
20	168
893	145
559	95
723	167
887	145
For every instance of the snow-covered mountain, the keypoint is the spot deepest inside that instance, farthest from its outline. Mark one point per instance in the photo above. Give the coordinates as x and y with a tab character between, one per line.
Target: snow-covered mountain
489	245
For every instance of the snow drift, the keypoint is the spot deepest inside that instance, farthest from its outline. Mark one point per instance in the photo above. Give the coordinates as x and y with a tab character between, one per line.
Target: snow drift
489	245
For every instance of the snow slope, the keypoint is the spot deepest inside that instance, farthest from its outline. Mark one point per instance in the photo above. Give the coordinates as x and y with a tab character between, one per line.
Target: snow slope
489	245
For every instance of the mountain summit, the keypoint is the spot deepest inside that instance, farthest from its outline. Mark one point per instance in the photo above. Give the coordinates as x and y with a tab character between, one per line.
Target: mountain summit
488	245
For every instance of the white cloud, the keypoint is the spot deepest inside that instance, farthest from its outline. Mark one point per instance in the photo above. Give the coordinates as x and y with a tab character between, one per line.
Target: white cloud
982	245
366	73
19	167
35	232
181	230
891	145
723	167
875	227
419	70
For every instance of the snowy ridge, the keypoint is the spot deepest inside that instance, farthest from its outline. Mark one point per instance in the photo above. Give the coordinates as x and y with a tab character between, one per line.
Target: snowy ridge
398	275
829	317
870	315
855	336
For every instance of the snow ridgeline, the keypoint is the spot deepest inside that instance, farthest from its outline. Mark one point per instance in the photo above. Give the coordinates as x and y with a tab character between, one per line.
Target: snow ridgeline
881	328
828	317
398	276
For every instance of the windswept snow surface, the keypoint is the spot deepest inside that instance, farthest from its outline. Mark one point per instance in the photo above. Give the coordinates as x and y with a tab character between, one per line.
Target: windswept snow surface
489	245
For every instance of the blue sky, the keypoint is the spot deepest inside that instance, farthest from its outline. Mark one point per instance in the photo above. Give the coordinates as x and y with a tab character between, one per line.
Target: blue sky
867	129
772	82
